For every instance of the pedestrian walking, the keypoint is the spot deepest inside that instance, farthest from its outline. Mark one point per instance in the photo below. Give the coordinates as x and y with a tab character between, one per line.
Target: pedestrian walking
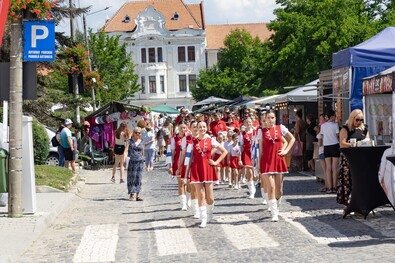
60	148
174	168
329	132
67	144
227	169
202	170
135	166
121	135
148	138
186	149
220	167
234	160
246	141
272	162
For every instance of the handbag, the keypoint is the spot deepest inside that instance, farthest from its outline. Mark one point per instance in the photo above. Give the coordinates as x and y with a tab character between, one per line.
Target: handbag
297	149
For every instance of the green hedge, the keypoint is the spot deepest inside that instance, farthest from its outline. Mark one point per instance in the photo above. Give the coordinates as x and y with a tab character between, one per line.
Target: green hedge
40	143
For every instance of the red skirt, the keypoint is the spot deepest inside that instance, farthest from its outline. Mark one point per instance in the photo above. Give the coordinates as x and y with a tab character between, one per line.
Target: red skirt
215	158
202	172
234	162
246	157
183	171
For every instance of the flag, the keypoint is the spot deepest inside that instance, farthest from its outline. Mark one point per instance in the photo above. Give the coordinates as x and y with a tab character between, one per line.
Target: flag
4	6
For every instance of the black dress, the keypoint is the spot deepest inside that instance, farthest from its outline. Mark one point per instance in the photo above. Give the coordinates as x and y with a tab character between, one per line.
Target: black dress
135	167
344	184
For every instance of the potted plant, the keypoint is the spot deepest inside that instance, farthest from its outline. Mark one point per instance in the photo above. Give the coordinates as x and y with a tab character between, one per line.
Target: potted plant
39	9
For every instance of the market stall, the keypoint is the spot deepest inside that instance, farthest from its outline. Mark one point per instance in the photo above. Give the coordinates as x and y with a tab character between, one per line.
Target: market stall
304	98
352	64
377	92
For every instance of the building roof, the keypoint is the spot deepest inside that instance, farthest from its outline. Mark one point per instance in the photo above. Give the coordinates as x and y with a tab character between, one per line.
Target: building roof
216	34
190	15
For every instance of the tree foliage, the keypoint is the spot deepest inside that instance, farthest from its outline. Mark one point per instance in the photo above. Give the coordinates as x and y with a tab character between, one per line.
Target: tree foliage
307	32
237	70
305	35
114	65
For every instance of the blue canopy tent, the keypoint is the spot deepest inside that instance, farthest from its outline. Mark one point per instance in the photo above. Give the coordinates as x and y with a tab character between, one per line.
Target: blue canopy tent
365	59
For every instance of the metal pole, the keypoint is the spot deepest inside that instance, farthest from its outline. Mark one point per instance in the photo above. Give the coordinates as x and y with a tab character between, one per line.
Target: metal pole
74	77
16	99
89	59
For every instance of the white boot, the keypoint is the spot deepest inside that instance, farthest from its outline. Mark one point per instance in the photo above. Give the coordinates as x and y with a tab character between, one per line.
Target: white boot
264	197
279	201
195	208
252	190
203	216
210	210
274	209
183	200
189	203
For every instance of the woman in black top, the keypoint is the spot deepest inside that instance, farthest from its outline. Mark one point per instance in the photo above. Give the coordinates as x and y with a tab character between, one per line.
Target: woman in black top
354	128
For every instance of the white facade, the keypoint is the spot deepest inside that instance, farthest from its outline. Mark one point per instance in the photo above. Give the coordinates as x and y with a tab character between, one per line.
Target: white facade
165	76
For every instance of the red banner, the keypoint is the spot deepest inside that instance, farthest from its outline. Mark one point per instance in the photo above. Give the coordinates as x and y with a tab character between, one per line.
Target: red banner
4	6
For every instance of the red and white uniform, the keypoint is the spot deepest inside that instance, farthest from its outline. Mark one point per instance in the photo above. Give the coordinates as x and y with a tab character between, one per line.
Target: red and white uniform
217	154
228	147
271	162
186	140
234	156
175	145
201	170
246	139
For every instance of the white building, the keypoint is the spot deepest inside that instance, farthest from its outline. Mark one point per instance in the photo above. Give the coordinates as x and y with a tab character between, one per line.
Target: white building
169	45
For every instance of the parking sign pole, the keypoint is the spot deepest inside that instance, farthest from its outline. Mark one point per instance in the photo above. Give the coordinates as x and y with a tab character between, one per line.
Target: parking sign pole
15	109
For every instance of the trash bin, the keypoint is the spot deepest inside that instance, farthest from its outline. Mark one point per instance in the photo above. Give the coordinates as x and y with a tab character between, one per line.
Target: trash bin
3	171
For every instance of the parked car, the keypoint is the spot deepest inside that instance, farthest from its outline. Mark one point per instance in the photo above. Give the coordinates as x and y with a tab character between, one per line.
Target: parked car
53	156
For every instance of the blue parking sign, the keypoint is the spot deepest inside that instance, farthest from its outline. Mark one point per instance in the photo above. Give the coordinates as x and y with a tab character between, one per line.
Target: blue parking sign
39	40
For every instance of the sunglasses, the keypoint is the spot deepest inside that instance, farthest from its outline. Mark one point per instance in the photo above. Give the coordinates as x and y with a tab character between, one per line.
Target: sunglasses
359	120
137	133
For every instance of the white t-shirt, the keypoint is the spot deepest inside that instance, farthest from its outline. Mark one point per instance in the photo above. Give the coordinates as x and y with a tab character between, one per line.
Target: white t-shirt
329	131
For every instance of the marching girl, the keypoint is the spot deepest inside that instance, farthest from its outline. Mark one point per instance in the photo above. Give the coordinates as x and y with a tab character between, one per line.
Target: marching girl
173	167
234	159
184	174
228	147
220	170
246	140
202	170
272	162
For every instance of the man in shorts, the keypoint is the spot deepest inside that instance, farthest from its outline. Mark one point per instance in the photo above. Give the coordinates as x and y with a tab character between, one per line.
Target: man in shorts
67	144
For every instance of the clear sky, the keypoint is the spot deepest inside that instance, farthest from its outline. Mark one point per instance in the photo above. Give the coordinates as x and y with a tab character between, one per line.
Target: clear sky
216	12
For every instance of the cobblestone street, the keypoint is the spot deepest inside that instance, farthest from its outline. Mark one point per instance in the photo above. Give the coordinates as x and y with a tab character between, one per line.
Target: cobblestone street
102	225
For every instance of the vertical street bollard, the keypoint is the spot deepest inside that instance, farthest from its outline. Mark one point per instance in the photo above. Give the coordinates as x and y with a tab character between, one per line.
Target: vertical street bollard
3	171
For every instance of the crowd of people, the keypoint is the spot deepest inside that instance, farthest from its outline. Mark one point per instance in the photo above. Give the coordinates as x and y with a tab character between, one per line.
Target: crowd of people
225	148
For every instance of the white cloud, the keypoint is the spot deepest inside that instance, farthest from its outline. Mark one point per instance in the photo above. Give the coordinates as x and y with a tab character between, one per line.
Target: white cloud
216	12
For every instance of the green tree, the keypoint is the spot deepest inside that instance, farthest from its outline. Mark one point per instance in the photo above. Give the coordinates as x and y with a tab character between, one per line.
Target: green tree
307	32
117	71
237	70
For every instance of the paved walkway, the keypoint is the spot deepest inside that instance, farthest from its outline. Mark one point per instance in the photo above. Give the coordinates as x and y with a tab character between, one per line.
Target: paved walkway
101	225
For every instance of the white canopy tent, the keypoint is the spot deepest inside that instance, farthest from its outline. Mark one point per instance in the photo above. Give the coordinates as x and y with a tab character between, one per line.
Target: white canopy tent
306	93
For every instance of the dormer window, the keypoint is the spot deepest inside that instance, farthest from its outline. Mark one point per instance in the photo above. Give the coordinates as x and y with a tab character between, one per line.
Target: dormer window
176	16
126	19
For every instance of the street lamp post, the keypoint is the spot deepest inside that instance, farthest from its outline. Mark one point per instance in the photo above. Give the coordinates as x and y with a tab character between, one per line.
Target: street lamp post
89	54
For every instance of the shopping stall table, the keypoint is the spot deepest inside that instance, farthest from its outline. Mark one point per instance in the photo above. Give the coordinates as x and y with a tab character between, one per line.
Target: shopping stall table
367	193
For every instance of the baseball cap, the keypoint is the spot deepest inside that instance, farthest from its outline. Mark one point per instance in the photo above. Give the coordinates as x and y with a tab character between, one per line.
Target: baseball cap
67	122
